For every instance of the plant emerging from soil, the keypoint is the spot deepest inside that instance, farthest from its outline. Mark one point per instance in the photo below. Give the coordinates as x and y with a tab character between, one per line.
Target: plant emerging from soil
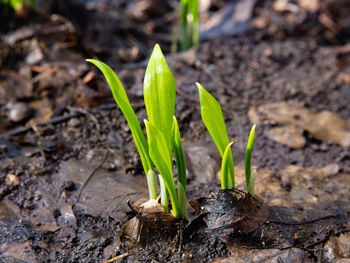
189	23
17	4
214	122
162	130
164	136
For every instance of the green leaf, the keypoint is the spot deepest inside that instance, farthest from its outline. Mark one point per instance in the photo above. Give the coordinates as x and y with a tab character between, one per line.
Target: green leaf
214	122
159	93
248	158
213	118
179	154
162	158
225	167
122	100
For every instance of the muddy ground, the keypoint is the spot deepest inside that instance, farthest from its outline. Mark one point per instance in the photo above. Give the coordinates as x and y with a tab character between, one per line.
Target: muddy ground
68	162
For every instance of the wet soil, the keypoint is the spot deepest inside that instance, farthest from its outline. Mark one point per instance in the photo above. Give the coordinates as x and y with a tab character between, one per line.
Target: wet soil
64	183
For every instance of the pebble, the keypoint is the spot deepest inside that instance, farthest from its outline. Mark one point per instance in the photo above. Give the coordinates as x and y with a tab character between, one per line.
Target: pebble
12	179
19	111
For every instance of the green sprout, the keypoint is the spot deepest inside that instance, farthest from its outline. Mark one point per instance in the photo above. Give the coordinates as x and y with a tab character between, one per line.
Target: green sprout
17	4
249	175
213	120
161	128
189	23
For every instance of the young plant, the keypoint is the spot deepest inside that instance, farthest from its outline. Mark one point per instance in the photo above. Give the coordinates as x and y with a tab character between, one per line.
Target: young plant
189	23
249	175
17	4
161	128
214	122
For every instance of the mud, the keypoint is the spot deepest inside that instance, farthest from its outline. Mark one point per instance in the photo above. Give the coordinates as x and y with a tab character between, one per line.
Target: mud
64	184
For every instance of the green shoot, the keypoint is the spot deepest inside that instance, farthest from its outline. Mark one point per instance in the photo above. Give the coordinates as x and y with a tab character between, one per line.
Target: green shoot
189	23
213	120
17	4
181	165
250	188
162	129
159	93
164	199
162	158
225	173
122	100
179	154
249	177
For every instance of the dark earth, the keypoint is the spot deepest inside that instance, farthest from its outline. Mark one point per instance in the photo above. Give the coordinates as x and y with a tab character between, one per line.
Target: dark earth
69	164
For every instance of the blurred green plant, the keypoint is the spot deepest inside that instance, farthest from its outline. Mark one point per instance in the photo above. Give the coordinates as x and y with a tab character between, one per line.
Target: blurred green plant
189	23
17	4
162	130
213	120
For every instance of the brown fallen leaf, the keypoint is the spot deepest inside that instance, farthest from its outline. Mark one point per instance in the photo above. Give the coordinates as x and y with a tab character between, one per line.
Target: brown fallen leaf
325	126
288	135
241	254
106	193
14	252
338	247
232	210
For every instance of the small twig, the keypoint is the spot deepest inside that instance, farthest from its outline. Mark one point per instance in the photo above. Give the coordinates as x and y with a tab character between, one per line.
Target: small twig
63	118
308	221
90	176
48	122
116	258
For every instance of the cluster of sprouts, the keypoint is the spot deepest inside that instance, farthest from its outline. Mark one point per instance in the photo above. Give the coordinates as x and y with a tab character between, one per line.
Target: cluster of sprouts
163	135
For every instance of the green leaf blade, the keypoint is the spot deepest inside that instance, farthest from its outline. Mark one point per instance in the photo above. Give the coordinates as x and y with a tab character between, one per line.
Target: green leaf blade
248	158
161	156
159	93
179	153
122	100
214	122
226	168
213	118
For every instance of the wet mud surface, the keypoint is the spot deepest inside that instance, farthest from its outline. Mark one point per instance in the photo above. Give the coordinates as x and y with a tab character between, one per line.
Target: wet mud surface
64	184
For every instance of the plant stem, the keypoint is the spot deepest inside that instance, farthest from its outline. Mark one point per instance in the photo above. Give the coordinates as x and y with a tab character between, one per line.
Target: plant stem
164	197
152	184
181	192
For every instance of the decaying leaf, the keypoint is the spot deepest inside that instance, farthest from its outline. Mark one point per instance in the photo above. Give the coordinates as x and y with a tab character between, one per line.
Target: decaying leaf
325	126
241	254
338	247
233	210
